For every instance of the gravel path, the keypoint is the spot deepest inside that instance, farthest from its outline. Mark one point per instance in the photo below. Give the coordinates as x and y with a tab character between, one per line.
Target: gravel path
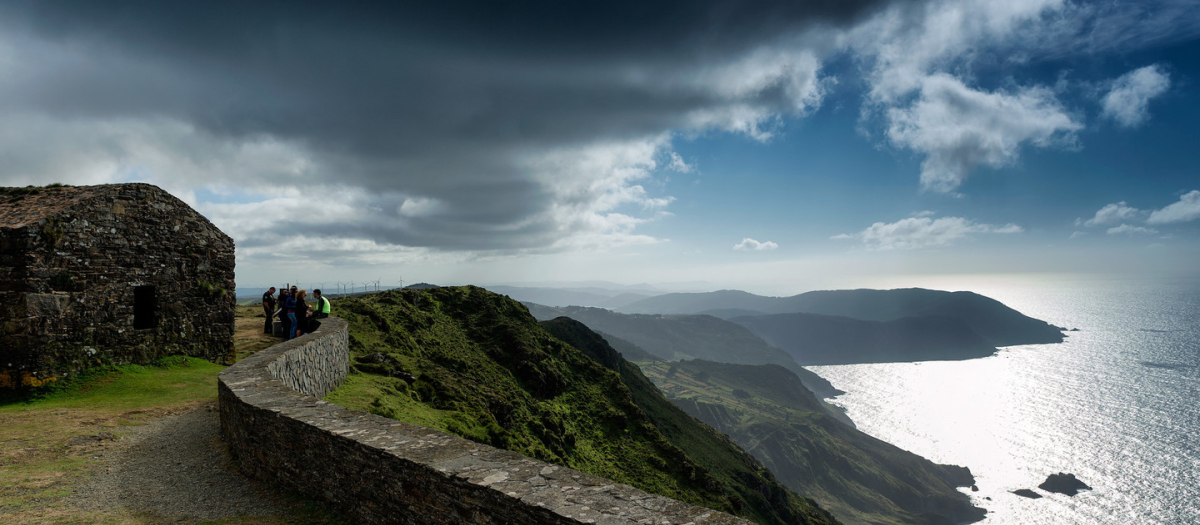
175	467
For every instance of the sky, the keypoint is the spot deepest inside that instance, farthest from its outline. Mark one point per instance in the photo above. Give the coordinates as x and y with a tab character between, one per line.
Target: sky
768	146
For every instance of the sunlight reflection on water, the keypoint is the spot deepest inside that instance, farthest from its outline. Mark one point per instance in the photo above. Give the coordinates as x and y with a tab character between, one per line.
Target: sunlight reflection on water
1089	406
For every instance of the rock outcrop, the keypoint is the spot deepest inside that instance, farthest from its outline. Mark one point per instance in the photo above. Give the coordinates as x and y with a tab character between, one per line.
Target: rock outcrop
1063	483
1026	493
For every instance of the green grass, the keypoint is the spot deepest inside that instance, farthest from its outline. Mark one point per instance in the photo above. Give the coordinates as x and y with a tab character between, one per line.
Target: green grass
483	369
38	469
171	380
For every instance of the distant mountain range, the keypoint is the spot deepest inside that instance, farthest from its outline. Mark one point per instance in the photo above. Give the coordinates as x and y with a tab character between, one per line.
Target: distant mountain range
674	337
995	323
595	297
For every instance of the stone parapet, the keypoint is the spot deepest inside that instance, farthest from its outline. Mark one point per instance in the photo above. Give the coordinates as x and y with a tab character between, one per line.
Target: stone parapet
378	470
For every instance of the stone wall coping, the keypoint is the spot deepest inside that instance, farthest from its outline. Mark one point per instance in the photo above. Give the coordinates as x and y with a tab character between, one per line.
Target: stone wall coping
488	485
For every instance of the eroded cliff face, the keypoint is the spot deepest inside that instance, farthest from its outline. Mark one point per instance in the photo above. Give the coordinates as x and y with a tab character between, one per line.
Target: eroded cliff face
111	274
857	477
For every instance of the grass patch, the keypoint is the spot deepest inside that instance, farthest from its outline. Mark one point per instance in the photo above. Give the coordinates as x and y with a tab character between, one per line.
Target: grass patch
171	380
42	454
248	336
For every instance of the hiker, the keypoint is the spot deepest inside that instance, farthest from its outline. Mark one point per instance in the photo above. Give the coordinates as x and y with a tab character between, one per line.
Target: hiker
300	313
320	311
268	304
281	312
289	310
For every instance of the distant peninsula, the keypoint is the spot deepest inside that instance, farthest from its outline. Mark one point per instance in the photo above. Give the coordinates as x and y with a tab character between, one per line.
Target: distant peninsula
814	339
995	323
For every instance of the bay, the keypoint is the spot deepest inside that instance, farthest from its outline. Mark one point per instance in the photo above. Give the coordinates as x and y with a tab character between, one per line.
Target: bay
1117	404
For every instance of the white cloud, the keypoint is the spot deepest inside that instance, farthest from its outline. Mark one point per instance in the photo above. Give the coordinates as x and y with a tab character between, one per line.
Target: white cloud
1078	234
1128	101
1187	209
959	128
903	47
924	213
905	44
923	232
418	207
1008	228
753	245
1111	214
678	164
793	71
1125	229
589	183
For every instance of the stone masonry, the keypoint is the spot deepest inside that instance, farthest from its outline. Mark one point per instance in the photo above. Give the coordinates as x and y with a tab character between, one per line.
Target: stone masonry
110	274
378	470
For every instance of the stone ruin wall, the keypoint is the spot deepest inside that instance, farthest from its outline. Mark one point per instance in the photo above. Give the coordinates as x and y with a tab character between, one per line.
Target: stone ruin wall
378	470
67	284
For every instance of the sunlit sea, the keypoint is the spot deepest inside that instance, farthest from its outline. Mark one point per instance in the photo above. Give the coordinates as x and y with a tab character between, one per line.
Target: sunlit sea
1117	404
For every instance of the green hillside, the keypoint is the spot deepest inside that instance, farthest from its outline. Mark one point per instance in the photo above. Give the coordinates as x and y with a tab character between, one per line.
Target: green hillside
476	364
738	471
860	479
675	337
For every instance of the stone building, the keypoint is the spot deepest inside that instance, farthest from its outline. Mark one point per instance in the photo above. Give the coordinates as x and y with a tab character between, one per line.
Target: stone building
110	274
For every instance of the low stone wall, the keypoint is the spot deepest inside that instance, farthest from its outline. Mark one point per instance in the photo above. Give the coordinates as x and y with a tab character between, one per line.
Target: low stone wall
378	470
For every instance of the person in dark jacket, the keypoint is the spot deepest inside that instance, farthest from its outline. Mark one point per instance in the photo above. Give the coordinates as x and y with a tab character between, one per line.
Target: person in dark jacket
281	312
289	311
268	304
301	314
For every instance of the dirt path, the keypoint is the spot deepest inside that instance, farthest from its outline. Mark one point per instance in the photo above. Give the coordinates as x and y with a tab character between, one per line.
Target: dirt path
175	468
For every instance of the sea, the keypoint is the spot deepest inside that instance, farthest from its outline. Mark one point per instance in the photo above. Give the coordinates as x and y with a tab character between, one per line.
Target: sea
1117	404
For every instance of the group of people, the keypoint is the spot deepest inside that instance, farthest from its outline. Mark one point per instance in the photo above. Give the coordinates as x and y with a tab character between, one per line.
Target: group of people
293	311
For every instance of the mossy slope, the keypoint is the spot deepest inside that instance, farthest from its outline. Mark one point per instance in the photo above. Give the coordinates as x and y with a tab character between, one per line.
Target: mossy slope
476	364
737	470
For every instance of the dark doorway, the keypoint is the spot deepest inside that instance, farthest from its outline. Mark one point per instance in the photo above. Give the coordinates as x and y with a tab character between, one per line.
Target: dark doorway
144	306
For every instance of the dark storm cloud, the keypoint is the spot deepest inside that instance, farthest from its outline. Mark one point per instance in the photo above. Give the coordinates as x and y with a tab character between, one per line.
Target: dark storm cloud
438	100
565	29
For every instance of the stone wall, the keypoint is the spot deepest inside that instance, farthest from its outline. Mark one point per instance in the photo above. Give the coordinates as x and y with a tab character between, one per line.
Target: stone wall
71	259
378	470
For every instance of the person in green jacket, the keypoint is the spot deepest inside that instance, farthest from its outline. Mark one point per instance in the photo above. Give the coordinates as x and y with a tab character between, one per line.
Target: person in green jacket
321	310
